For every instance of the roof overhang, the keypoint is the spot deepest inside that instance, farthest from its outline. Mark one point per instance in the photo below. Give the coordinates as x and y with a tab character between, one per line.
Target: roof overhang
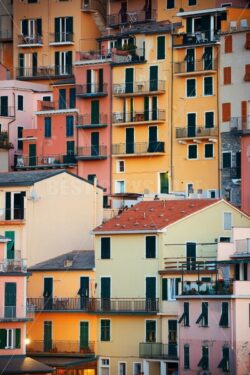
202	11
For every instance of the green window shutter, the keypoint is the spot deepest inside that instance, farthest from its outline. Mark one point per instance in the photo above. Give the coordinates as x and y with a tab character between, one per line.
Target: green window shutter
25	27
209	119
161	41
177	282
191	87
18	338
62	99
20	102
69	126
208	86
186	312
129	80
150	246
150	331
224	321
69	62
95	112
72	97
189	25
100	73
186	357
57	63
88	80
154	108
47	127
153	78
192	151
69	25
3	338
105	248
10	300
11	244
226	163
146	108
164	290
7	206
57	29
84	335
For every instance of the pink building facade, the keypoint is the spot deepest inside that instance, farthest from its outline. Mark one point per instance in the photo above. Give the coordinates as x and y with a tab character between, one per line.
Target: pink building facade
245	178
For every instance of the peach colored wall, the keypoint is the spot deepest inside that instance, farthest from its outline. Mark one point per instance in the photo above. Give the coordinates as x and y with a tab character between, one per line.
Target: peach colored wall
245	177
20	294
242	334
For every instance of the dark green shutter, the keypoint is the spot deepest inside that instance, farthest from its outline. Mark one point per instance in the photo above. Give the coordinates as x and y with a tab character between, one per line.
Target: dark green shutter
209	119
153	78
161	47
164	289
25	27
208	58
150	247
190	60
11	244
189	25
154	108
95	112
10	300
84	335
150	288
57	29
206	25
177	282
105	330
34	63
191	87
69	126
39	26
186	312
208	83
3	338
72	97
100	89
186	357
4	105
105	248
47	336
150	331
146	108
152	139
164	183
69	62
18	338
191	124
88	80
69	29
32	155
62	98
129	80
70	148
7	206
21	64
95	144
57	63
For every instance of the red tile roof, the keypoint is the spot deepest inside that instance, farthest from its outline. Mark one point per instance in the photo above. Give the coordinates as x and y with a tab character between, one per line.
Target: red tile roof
154	215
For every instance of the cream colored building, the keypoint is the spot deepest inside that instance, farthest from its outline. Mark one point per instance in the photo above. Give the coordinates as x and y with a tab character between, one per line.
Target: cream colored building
48	212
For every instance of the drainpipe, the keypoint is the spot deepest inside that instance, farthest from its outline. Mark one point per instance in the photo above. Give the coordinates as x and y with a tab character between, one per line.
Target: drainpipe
10	122
171	114
110	122
218	121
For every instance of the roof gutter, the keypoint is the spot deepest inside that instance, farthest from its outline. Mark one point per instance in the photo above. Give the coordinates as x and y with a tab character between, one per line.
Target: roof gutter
129	231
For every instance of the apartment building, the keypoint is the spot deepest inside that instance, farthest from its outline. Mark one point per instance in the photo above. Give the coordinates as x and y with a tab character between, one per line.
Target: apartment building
6	39
245	194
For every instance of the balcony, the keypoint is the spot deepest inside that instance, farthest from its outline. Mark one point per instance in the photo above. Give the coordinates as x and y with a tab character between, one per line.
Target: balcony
61	347
29	41
90	122
4	141
61	38
14	265
89	56
15	313
138	118
45	162
133	17
14	215
193	132
242	248
139	149
92	90
44	72
157	350
131	55
239	124
7	112
96	305
94	152
196	39
139	88
220	287
43	105
186	264
93	6
195	67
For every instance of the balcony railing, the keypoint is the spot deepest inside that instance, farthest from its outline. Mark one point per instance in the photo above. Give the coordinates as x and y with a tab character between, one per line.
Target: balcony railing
132	17
158	350
93	152
196	132
144	116
13	265
195	66
45	161
11	214
138	88
141	148
92	90
99	305
30	40
60	346
14	313
44	72
4	141
61	37
94	55
203	37
223	287
242	247
133	55
7	111
190	263
44	105
239	123
88	121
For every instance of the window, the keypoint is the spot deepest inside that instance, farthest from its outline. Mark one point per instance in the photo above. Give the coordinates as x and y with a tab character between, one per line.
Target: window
20	102
69	126
27	64
209	120
150	246
224	315
10	338
120	186
170	289
191	87
226	112
227	221
228	48
203	318
227	75
209	151
105	330
161	47
191	2
208	86
105	248
120	166
32	1
186	357
4	106
122	368
211	194
47	127
19	135
91	178
226	159
63	63
224	363
14	205
170	4
104	366
150	331
31	29
225	239
204	361
137	368
46	98
247	73
185	315
192	152
63	29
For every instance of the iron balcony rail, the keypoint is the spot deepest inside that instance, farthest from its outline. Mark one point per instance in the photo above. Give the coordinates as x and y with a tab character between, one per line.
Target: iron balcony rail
189	263
44	71
7	111
125	56
196	38
95	5
158	350
134	16
44	105
62	37
92	152
103	54
61	346
30	39
139	87
220	287
138	148
44	161
239	123
10	214
92	89
193	132
195	66
99	305
88	120
13	265
19	312
144	116
4	141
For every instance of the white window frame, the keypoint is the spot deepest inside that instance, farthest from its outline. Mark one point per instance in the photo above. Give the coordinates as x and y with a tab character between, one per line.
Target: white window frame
117	184
213	119
171	289
211	191
145	330
10	338
225	226
118	164
210	157
204	79
197	157
187	188
226	152
156	246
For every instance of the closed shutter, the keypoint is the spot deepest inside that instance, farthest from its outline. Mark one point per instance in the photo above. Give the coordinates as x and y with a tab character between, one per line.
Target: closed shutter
69	126
146	108
21	64
57	63
11	244
226	111
7	206
34	64
105	248
154	108
18	338
247	73
84	335
100	89
247	45
72	97
39	26
69	29
10	300
161	47
227	75
95	112
3	338
228	44
150	247
88	80
129	80
4	106
189	25
69	62
57	29
25	27
153	78
164	291
244	114
209	120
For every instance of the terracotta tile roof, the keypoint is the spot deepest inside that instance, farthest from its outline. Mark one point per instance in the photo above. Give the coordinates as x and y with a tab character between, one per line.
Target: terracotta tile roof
154	215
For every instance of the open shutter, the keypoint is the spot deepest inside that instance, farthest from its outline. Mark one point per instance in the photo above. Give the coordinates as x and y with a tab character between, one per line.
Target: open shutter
88	79
72	97
100	80
39	26
161	47
21	64
34	64
69	62
57	62
7	206
146	108
11	244
177	283
3	338
57	29
164	289
69	25
18	338
226	112
25	27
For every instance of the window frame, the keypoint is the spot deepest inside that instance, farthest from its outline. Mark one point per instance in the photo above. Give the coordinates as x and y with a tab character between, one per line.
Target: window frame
223	164
186	357
205	146
188	153
204	86
118	166
226	227
195	91
154	339
20	102
47	127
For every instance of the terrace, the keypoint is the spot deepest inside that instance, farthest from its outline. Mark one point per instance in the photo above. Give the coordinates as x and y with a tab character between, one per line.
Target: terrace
61	346
44	72
139	117
89	122
45	162
157	350
139	88
139	149
193	132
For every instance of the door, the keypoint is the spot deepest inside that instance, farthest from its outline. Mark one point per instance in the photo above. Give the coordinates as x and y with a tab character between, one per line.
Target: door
95	112
48	293
190	60
62	99
32	155
191	255
164	183
129	80
152	139
84	293
95	144
172	338
47	336
191	124
105	293
11	244
10	300
150	293
153	78
208	58
84	337
130	141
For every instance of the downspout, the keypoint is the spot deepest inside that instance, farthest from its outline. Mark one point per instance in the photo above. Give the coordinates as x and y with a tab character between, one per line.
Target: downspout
111	129
218	121
171	115
10	122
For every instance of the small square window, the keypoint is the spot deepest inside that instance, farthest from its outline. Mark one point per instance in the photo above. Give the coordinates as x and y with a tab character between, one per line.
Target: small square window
191	2
211	194
209	151
120	186
170	4
192	152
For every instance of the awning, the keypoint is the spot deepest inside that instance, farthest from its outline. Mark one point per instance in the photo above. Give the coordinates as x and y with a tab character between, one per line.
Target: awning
22	365
67	361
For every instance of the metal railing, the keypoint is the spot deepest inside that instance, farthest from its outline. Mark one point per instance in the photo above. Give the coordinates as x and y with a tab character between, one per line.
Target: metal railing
44	105
92	89
158	350
132	17
61	346
61	37
13	265
220	287
88	120
15	312
29	39
138	148
7	111
4	141
139	87
193	132
239	123
95	304
48	161
144	116
195	66
92	152
103	54
44	71
190	263
9	214
196	38
125	56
